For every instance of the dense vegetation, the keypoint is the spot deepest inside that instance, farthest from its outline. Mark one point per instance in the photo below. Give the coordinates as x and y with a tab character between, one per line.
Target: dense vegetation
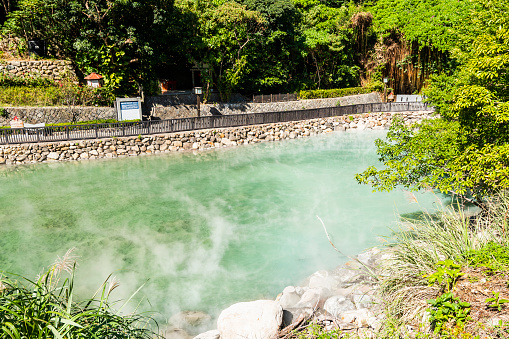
455	51
48	308
465	151
247	46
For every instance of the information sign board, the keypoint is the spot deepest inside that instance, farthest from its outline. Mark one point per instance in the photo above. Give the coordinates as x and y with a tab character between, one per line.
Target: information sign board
128	109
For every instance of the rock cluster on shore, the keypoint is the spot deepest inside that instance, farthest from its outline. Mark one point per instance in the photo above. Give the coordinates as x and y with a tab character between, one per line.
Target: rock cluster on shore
17	154
343	299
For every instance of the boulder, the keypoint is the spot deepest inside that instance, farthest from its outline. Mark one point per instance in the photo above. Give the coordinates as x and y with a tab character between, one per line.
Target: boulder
214	334
314	298
347	276
362	301
289	298
323	279
259	319
362	317
53	156
189	319
370	258
175	333
226	141
337	305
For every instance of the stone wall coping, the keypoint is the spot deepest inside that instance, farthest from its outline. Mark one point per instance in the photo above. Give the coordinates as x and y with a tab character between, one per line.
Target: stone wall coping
198	140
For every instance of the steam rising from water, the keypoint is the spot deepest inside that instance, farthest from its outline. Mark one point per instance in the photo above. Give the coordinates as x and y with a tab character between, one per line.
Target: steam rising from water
202	230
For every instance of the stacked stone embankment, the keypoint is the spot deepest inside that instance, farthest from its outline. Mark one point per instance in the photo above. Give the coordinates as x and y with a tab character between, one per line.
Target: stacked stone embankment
56	115
17	154
51	69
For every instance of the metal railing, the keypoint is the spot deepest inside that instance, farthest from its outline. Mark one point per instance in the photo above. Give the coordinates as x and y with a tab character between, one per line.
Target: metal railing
274	97
124	129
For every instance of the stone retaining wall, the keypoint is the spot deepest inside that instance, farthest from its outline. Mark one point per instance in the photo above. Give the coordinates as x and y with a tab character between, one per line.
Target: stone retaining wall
51	69
175	110
56	115
194	140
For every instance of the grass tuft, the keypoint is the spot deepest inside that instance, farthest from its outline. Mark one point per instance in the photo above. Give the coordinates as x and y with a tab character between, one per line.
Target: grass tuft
45	308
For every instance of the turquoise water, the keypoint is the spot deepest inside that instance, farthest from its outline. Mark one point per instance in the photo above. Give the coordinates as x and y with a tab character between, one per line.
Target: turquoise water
202	230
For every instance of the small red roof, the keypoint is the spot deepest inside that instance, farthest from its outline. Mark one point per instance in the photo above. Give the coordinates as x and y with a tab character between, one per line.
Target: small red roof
94	76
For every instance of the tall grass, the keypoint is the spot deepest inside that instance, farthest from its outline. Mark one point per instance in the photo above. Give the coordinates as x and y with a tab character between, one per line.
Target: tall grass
46	308
419	245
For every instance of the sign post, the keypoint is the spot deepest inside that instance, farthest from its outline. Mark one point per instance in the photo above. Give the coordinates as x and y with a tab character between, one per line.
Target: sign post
198	92
128	109
386	80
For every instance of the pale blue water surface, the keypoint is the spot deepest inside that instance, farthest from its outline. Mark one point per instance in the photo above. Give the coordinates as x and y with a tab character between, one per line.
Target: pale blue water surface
202	230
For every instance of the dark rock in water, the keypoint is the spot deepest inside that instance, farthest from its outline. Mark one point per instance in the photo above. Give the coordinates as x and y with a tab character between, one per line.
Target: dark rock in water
187	319
176	333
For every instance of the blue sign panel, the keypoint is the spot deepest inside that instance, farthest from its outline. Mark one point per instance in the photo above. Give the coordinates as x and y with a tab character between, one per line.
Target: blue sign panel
127	105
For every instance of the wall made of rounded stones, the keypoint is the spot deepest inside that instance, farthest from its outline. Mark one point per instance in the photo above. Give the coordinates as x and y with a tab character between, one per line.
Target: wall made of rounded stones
18	154
51	69
56	115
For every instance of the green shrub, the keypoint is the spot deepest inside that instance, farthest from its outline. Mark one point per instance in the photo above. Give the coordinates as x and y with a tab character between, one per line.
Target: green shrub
447	274
56	96
333	93
29	96
447	308
421	244
493	255
376	86
46	309
26	80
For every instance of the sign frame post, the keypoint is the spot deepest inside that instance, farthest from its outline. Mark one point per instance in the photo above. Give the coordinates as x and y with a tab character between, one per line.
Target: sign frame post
128	109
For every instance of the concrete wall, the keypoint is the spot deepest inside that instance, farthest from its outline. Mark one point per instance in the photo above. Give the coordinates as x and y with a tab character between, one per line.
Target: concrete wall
55	115
195	140
185	111
51	69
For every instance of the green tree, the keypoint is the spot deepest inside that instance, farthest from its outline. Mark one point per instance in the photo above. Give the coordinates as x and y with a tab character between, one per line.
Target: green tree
228	32
120	39
466	151
329	44
274	63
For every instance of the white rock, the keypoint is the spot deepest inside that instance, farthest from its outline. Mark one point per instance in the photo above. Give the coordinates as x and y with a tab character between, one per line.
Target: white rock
347	276
214	334
289	298
362	301
53	156
370	257
259	319
176	333
337	305
322	279
314	297
360	317
226	141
